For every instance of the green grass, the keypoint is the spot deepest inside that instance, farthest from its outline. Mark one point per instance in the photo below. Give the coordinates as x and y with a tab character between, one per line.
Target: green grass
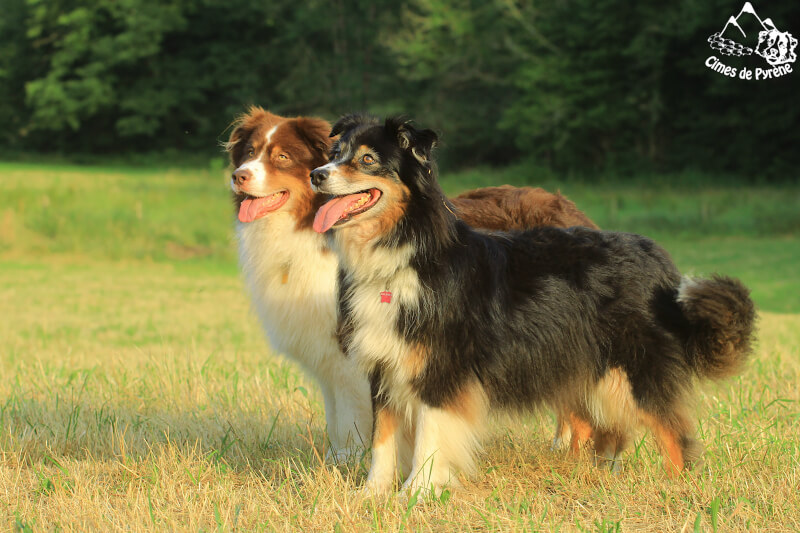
141	396
165	215
114	214
137	393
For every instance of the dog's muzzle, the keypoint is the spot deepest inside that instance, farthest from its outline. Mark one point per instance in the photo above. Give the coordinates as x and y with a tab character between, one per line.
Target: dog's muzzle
319	175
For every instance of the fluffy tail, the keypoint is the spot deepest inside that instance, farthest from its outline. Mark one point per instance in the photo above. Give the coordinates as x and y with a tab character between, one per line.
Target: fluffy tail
721	319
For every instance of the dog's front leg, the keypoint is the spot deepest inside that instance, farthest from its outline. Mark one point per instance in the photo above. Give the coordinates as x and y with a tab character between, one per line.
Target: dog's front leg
438	433
385	435
352	418
386	432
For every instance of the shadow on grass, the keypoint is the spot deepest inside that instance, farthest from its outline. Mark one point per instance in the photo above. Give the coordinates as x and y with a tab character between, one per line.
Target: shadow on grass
277	445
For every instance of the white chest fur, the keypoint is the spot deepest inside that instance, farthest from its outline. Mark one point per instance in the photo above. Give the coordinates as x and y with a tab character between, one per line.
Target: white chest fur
376	337
292	280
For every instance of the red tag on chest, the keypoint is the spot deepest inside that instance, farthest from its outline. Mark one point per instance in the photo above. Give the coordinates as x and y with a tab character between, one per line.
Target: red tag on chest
386	297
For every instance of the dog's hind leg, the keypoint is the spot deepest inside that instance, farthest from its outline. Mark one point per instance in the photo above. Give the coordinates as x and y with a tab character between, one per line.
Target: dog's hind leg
572	429
673	435
563	433
608	447
581	431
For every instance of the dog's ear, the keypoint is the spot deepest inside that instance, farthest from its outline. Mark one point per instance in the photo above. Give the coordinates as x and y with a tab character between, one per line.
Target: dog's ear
236	142
424	143
347	122
351	121
314	131
243	126
420	142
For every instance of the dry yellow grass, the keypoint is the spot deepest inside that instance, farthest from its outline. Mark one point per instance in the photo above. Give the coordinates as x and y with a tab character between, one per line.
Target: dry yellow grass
142	397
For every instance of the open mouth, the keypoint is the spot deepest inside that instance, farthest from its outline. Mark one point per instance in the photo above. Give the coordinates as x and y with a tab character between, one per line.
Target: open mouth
340	209
255	207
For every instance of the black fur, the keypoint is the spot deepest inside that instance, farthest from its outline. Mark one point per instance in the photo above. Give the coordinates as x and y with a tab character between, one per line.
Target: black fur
535	313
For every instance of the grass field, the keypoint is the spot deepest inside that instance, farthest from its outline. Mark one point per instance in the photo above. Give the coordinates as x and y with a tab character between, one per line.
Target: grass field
137	393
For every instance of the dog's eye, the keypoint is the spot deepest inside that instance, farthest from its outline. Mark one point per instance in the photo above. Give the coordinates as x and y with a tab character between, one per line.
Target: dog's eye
251	152
367	159
283	157
335	155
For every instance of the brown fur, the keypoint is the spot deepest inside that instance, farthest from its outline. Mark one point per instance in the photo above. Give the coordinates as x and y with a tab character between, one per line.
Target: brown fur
304	140
612	396
389	219
470	404
510	208
251	125
581	432
715	305
669	442
385	425
416	361
608	444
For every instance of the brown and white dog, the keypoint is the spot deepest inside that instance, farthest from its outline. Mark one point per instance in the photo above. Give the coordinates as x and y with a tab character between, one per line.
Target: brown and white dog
291	274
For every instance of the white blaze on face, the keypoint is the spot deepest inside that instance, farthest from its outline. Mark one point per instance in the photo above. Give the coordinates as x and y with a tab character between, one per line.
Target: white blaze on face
270	133
256	166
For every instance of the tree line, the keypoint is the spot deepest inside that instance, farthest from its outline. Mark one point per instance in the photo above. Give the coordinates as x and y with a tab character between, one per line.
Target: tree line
575	85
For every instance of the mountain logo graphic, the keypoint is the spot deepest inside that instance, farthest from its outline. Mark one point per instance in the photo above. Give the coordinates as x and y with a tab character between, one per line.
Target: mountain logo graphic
747	34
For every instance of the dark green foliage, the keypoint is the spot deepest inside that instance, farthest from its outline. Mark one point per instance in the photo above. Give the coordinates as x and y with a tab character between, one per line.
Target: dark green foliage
576	85
17	64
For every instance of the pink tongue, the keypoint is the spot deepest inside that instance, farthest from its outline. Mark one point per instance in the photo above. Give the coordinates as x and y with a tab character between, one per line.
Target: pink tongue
253	208
334	210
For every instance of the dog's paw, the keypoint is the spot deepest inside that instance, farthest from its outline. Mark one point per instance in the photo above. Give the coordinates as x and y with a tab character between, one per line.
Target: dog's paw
343	455
420	489
559	444
373	489
614	464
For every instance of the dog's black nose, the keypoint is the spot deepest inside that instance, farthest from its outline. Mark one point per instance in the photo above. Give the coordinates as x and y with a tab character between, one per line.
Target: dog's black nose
318	175
240	176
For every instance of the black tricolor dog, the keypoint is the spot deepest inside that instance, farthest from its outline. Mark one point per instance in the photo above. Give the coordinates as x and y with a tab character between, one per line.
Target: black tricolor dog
452	323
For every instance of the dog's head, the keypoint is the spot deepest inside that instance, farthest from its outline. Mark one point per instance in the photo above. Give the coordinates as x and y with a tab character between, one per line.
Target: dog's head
272	157
375	170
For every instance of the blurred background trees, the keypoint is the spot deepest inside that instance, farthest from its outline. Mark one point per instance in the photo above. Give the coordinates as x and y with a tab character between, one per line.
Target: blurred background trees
574	85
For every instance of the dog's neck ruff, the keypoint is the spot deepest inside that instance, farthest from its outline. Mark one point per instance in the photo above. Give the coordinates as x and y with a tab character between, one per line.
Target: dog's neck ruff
370	262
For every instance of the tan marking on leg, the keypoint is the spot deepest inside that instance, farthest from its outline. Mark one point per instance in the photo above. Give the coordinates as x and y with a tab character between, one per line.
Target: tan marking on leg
445	443
384	453
668	442
581	432
385	426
